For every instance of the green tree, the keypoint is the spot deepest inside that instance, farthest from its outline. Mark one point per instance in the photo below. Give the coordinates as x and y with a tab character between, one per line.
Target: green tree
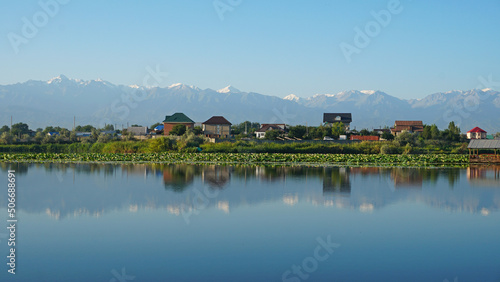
64	132
387	136
337	129
406	138
435	133
197	130
318	132
272	134
19	129
251	127
364	132
162	144
426	133
108	127
47	139
39	137
6	138
298	131
178	130
104	138
72	136
85	128
4	128
453	132
155	125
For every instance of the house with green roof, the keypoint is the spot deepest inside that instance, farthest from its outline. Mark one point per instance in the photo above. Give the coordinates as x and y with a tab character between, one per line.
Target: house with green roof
175	119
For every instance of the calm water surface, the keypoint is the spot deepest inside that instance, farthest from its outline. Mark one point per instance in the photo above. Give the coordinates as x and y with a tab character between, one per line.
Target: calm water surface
89	222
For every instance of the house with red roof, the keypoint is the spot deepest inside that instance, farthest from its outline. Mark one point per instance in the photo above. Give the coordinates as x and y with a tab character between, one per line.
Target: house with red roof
476	133
217	127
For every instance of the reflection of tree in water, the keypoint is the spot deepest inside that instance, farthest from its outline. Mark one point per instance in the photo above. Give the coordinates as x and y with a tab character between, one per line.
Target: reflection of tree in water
453	175
336	180
216	176
407	177
20	168
178	177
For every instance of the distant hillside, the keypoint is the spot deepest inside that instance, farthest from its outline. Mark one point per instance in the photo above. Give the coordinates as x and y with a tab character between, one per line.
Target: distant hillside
55	102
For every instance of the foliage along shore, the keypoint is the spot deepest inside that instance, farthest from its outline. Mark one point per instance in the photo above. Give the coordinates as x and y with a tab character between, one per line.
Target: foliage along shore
244	158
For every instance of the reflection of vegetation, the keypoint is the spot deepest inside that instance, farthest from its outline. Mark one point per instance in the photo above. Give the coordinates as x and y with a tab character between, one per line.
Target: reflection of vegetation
407	177
336	180
216	176
178	177
20	168
453	176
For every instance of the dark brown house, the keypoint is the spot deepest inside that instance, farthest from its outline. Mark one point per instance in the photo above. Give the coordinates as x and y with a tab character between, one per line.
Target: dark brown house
217	127
407	125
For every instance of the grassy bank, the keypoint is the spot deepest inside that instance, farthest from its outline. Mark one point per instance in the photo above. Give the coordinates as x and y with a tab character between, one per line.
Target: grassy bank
242	158
161	145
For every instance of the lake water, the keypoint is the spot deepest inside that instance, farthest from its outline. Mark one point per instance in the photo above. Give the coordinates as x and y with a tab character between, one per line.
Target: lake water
91	222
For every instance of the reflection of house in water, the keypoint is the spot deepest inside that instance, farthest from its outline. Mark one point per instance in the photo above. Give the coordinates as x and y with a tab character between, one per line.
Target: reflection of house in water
271	173
336	180
484	175
407	178
178	177
216	176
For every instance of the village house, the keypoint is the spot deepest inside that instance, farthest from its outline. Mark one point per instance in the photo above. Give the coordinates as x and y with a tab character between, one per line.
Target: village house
410	126
476	133
175	119
217	127
344	118
138	130
261	133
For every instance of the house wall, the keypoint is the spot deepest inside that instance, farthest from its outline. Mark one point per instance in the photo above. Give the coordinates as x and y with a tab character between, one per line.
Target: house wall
211	130
476	135
260	135
167	126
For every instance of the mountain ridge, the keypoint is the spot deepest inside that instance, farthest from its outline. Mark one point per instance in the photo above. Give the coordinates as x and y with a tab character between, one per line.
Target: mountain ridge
97	102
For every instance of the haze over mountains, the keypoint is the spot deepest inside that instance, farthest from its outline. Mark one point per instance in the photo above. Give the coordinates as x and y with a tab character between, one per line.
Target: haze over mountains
57	101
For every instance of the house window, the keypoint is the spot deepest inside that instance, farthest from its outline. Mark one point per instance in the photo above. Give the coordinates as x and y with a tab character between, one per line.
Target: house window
338	118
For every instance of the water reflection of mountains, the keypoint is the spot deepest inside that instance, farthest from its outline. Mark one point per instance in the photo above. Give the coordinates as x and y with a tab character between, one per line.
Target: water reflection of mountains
72	189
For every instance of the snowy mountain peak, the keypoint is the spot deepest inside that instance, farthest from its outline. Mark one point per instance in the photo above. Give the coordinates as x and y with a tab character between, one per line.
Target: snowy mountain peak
292	97
58	79
180	86
368	92
229	89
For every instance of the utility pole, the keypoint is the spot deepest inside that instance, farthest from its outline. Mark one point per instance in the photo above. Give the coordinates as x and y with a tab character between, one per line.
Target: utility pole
10	123
74	123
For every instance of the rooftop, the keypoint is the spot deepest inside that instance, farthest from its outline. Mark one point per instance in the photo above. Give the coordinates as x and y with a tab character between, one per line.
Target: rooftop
217	120
484	144
476	130
178	118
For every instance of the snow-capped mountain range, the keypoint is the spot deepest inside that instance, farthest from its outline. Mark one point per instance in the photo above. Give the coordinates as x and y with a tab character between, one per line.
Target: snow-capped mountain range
57	101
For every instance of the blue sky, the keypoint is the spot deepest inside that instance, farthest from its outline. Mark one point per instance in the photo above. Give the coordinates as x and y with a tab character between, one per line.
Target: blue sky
271	47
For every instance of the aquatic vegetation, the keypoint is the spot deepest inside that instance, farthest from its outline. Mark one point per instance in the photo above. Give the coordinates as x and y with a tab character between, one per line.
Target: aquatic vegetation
242	158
